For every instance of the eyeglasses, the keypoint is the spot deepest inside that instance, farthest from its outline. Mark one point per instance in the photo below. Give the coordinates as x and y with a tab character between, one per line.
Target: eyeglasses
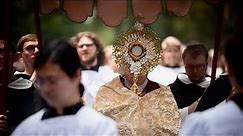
198	67
49	81
30	48
87	45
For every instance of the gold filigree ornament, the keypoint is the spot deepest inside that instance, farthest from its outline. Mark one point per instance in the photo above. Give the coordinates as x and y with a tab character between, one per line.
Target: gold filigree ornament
137	49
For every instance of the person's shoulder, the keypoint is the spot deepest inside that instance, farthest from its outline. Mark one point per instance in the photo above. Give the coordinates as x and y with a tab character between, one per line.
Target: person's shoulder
212	121
34	117
177	81
216	114
166	93
93	116
30	122
223	111
194	124
114	83
105	69
95	123
89	75
20	84
199	123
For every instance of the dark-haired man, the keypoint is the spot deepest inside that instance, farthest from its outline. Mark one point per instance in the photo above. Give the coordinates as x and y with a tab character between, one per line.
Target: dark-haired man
189	86
226	119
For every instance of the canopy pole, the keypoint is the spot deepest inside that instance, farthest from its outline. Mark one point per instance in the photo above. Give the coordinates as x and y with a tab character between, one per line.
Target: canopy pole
37	22
220	11
5	77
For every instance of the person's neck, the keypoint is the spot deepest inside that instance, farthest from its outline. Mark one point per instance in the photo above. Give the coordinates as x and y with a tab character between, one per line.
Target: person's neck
94	63
238	89
74	100
28	69
129	81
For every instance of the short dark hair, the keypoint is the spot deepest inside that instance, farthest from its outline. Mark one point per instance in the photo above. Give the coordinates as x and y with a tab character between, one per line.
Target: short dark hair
195	49
233	54
62	53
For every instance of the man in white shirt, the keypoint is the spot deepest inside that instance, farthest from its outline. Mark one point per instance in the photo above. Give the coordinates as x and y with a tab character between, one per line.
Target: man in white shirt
58	80
170	63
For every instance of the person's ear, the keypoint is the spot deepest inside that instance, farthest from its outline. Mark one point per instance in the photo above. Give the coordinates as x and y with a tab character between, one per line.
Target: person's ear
16	56
231	74
229	69
78	74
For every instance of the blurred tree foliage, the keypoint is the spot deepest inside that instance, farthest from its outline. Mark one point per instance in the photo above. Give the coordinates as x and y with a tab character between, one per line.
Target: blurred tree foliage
198	25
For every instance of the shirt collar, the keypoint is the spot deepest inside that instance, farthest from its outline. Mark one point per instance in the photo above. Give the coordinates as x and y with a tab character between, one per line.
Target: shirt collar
176	66
146	87
71	110
184	78
94	68
128	85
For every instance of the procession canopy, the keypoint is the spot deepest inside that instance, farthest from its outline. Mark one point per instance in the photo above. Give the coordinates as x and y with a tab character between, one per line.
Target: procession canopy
112	13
